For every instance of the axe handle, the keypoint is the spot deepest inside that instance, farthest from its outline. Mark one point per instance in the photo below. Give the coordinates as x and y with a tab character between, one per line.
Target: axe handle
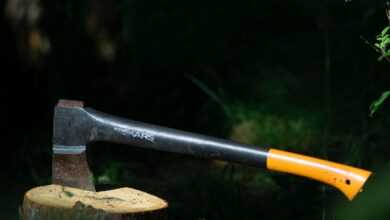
106	127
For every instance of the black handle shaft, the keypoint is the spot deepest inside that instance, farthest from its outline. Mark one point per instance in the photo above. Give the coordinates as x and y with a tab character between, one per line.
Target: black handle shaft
120	130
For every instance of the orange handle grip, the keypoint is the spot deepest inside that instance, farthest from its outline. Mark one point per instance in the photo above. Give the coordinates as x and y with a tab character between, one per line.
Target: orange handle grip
347	179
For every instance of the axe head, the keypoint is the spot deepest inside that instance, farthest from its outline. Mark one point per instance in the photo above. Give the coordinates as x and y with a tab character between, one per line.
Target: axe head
70	137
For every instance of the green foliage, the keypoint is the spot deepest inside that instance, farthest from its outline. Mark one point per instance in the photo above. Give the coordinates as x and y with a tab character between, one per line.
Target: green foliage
379	102
383	41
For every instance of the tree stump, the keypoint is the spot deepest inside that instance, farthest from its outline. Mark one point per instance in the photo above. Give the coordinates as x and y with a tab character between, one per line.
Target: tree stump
55	202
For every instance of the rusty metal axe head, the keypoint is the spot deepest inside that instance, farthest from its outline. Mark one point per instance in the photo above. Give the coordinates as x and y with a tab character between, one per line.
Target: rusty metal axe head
70	136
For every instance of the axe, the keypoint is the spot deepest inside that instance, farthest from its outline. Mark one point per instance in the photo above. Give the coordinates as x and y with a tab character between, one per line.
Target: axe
75	126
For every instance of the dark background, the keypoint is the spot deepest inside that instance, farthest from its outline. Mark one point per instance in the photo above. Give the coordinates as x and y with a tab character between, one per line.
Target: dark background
294	75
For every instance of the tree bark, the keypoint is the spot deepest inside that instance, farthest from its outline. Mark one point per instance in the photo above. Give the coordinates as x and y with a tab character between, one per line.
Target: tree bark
55	202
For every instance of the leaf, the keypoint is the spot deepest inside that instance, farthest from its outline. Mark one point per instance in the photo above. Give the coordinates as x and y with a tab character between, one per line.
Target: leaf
385	30
387	54
385	42
378	103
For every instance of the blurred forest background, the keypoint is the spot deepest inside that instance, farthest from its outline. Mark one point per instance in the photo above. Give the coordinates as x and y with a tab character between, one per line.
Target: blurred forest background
296	74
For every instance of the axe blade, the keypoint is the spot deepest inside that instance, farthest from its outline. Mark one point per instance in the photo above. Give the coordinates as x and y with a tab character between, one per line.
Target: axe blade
72	170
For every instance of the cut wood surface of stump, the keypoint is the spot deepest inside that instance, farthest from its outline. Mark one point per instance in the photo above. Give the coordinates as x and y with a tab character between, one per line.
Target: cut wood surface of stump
54	202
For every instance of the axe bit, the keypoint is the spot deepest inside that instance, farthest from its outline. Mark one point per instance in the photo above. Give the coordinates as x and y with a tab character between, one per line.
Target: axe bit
75	126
